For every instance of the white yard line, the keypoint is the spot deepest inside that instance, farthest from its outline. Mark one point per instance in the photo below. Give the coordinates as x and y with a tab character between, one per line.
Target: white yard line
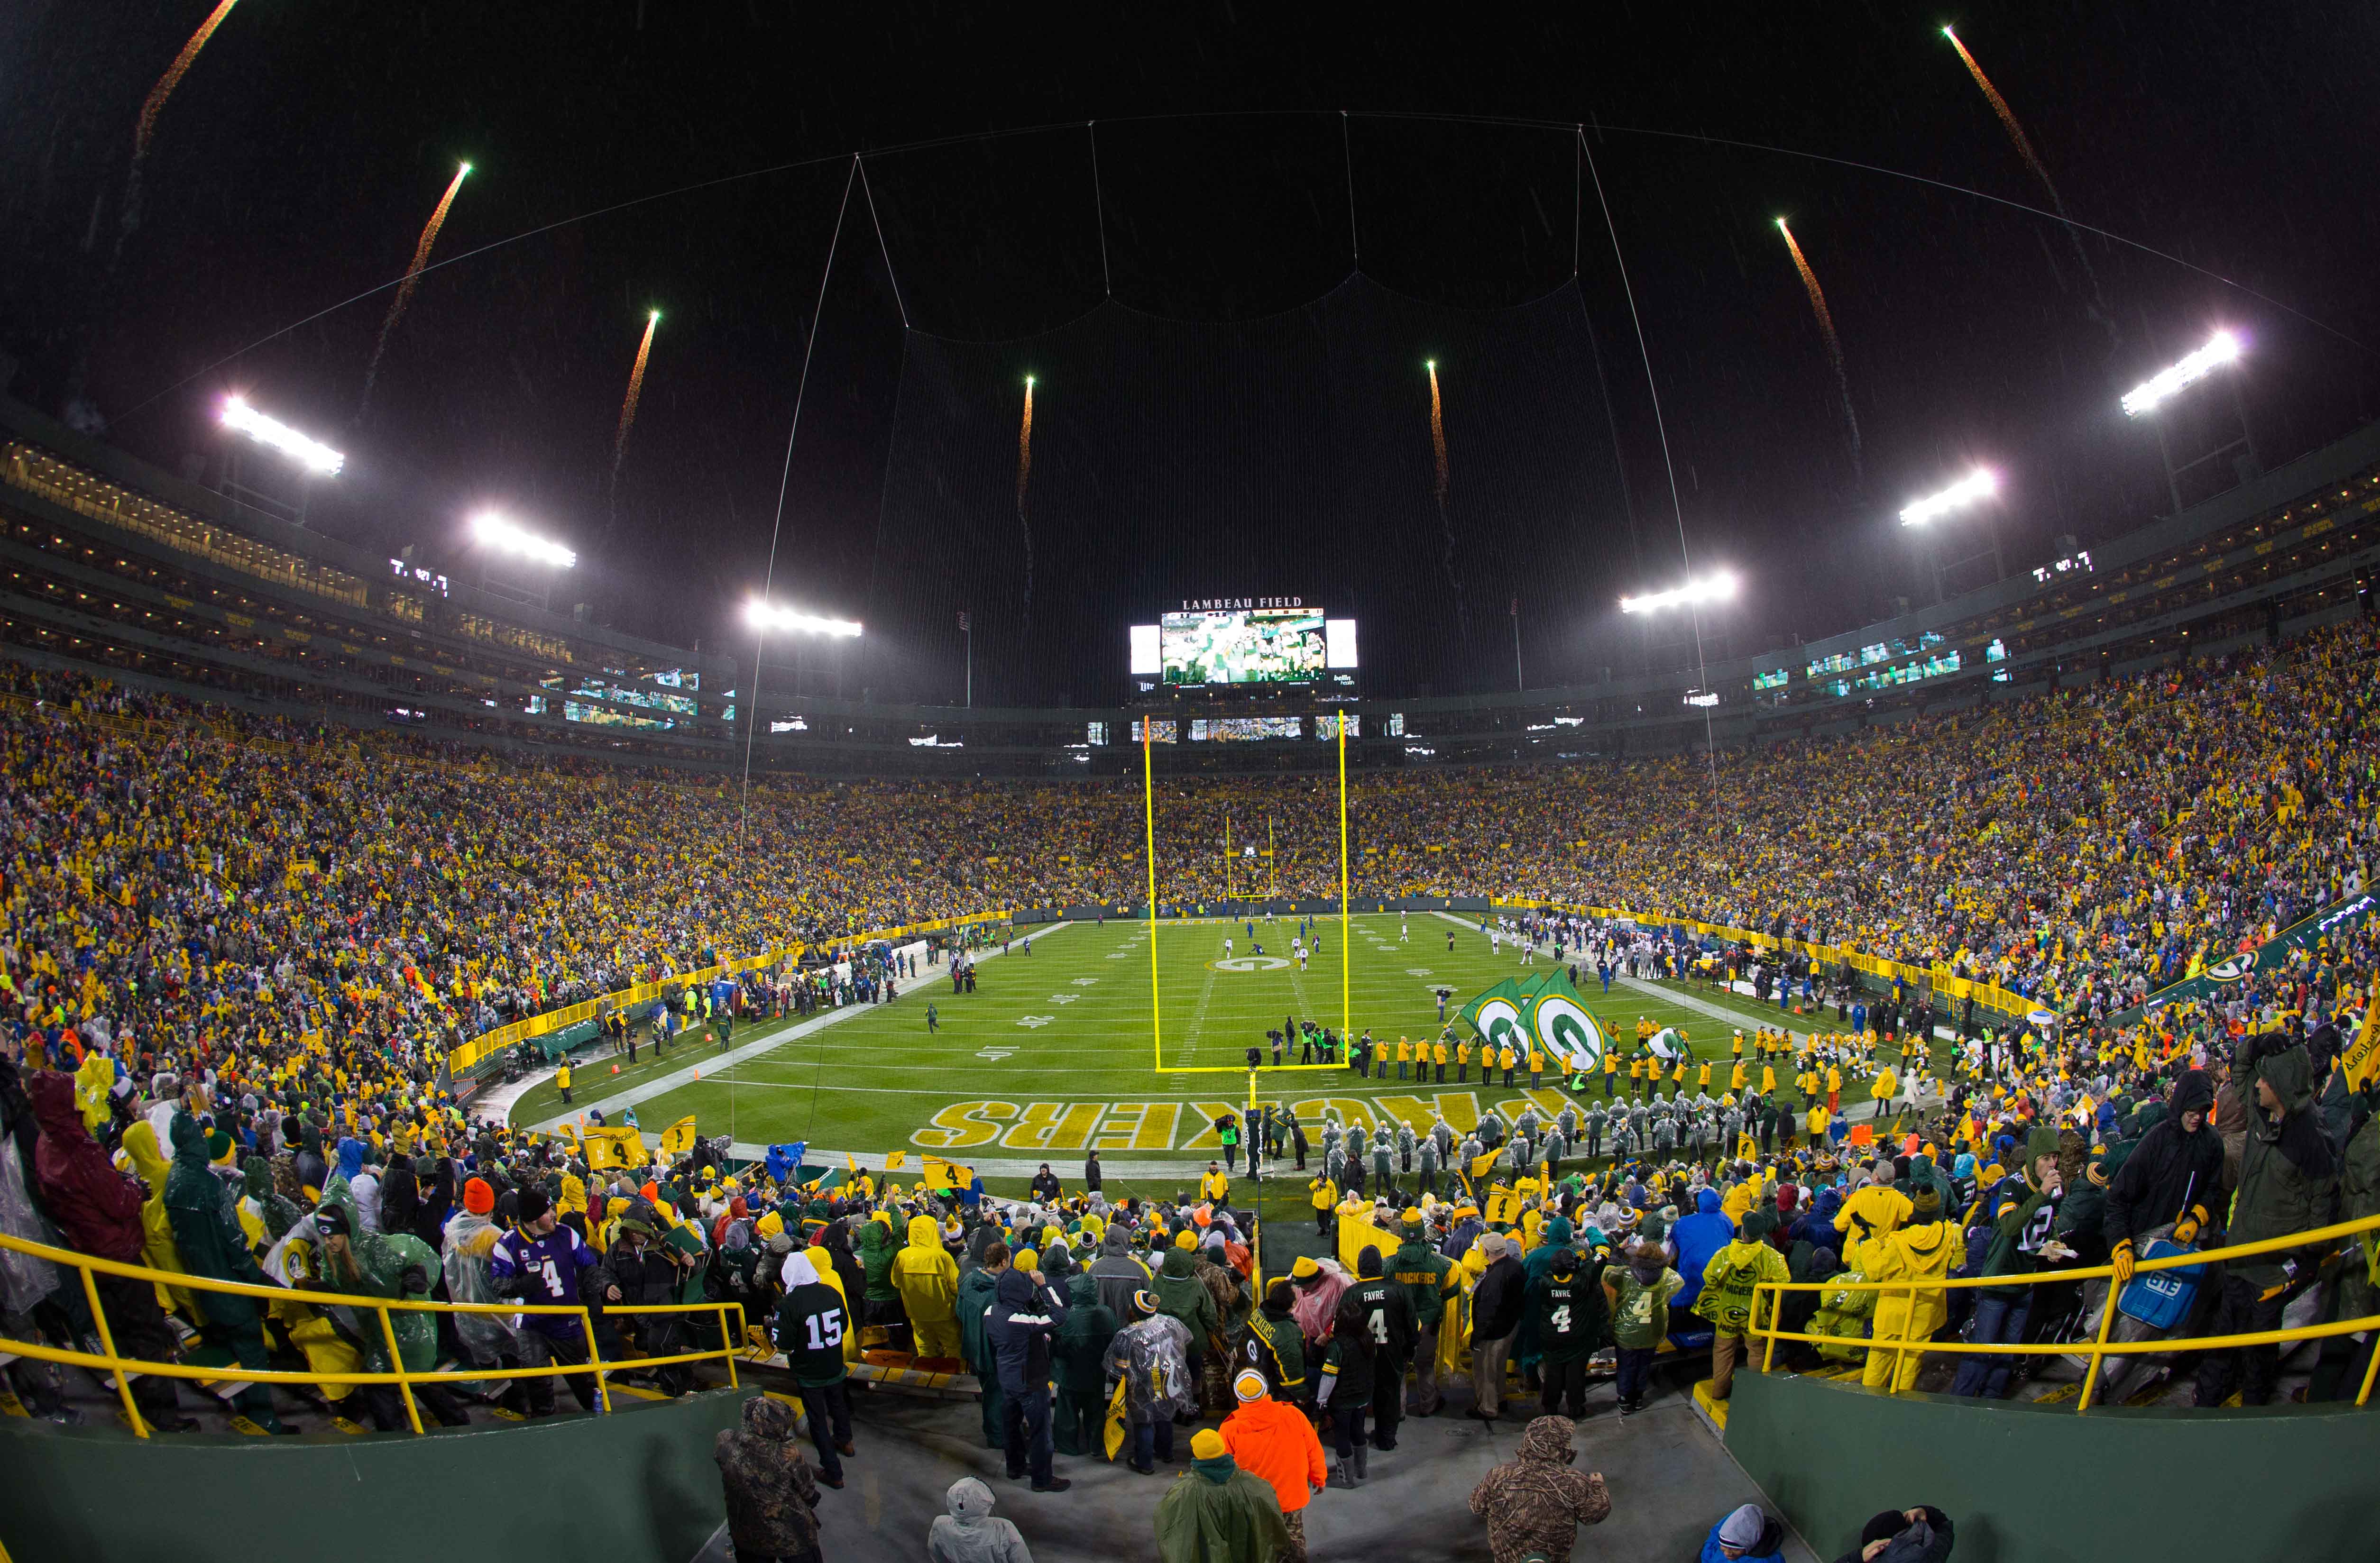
716	1063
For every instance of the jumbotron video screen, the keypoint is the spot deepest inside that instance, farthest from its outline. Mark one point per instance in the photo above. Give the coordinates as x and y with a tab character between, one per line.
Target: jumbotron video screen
1241	645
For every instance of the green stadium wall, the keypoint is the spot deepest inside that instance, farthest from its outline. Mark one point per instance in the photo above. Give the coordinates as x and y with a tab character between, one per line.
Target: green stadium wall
639	1484
2026	1484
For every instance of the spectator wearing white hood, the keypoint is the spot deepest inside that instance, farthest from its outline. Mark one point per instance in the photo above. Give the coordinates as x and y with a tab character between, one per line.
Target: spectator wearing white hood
809	1329
968	1534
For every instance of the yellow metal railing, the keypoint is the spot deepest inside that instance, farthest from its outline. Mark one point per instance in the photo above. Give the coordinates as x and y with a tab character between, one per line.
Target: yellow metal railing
107	1360
1902	1348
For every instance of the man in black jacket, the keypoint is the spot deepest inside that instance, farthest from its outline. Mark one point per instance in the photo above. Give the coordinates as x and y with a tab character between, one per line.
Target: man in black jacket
1495	1315
1020	1324
2171	1178
641	1270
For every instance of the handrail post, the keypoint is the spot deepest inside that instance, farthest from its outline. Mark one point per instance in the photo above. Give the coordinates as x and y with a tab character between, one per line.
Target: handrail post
595	1360
1776	1312
728	1343
2098	1350
1901	1353
396	1365
2364	1394
116	1363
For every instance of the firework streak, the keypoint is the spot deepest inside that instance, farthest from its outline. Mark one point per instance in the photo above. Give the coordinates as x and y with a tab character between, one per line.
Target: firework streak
1826	330
412	276
155	103
1446	525
636	389
2007	119
1024	476
2025	150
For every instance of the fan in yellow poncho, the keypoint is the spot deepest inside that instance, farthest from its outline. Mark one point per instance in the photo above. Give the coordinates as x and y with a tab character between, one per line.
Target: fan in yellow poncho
1922	1250
927	1279
157	1250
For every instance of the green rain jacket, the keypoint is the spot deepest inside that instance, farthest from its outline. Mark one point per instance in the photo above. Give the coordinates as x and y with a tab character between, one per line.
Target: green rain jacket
380	1261
207	1230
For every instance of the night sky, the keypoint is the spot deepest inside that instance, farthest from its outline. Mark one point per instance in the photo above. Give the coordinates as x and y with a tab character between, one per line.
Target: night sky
1281	446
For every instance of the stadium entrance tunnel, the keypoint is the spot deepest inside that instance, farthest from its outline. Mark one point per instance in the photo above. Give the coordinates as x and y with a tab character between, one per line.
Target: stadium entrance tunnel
2028	1484
639	1484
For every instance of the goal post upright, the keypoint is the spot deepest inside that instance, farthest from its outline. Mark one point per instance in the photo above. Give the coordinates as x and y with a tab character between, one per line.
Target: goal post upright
1347	946
1148	822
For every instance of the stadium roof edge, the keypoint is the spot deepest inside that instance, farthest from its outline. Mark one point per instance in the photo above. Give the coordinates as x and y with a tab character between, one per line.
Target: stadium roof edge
120	467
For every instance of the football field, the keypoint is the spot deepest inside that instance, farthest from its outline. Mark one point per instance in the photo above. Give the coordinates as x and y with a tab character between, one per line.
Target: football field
1052	1055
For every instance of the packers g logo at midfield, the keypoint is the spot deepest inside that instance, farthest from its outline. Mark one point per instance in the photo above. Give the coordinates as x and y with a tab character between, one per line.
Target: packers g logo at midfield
1565	1030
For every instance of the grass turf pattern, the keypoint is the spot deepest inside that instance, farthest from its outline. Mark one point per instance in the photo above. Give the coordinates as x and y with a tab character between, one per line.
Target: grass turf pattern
1051	1055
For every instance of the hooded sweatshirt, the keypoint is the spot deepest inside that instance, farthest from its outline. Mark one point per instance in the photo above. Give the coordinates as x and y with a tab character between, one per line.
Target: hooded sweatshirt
1271	1441
2170	1170
970	1533
1118	1273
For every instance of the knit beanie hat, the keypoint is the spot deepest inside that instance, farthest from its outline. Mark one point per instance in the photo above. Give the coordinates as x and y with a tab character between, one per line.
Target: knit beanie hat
1249	1386
479	1198
1207	1444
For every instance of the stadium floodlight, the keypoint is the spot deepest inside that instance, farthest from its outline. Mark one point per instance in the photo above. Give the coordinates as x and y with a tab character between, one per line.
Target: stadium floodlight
1980	484
772	616
312	455
1717	587
495	531
2221	348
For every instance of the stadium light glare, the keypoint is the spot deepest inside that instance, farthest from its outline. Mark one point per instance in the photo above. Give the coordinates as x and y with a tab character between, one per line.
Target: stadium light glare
311	455
773	616
2222	349
1717	587
495	531
1980	484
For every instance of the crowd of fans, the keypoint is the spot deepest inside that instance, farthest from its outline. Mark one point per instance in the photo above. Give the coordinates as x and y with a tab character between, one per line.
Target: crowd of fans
2081	849
234	950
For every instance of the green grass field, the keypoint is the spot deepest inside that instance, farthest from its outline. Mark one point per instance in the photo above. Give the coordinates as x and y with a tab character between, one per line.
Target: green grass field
1051	1054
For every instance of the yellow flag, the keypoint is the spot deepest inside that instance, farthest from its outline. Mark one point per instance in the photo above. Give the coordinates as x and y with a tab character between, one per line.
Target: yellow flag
677	1140
2362	1055
1479	1164
851	1164
897	1160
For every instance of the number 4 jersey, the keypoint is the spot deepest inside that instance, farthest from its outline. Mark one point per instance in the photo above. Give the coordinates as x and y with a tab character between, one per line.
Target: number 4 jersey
554	1264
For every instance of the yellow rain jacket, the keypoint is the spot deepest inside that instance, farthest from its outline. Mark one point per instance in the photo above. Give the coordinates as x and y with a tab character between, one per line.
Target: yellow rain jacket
927	1279
1909	1254
157	1250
